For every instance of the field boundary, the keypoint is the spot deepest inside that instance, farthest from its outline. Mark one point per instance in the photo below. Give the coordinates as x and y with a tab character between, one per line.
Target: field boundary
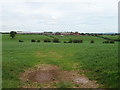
106	38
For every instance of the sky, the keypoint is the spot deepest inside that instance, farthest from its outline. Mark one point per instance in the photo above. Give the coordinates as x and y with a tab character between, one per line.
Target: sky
91	16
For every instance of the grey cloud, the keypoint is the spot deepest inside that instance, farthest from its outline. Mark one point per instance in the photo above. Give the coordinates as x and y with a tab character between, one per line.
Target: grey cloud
83	16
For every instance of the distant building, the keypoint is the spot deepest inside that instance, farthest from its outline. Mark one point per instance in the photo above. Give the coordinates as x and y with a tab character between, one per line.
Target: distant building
77	33
58	33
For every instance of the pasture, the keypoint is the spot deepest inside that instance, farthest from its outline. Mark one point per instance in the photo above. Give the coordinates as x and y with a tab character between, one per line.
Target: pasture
99	61
112	36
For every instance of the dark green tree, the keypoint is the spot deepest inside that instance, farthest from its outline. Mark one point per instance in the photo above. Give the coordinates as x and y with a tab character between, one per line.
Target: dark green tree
12	34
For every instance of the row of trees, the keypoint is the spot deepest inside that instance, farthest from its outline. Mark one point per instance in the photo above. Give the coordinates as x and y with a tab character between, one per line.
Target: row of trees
13	33
56	40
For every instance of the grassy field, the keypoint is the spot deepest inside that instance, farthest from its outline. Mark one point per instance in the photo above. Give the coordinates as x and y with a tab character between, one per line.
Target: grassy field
100	60
111	36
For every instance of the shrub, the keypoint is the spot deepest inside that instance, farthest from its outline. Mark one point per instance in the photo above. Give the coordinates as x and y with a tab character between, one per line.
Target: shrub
106	42
92	41
77	41
47	40
56	40
111	41
38	40
21	41
33	40
65	42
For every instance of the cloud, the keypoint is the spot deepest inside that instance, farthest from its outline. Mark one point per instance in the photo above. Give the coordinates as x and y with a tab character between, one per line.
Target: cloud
60	15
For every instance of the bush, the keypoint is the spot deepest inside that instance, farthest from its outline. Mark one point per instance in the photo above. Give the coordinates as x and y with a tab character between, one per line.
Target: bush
38	40
106	42
77	41
21	41
65	42
33	40
47	40
92	41
111	41
56	40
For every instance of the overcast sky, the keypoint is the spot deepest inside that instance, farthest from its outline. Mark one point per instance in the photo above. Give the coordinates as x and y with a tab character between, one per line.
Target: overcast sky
59	15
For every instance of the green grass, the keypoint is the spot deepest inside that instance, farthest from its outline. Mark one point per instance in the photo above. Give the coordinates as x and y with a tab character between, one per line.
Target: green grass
64	85
101	60
112	36
85	39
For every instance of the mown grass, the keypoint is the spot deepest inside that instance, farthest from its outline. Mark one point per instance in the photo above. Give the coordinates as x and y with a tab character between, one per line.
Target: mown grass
100	60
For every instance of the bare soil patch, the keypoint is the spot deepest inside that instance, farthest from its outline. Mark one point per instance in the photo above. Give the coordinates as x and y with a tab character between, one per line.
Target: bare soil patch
50	74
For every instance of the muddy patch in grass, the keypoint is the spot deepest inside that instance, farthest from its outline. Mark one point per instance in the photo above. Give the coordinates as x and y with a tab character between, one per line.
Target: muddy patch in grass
50	75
